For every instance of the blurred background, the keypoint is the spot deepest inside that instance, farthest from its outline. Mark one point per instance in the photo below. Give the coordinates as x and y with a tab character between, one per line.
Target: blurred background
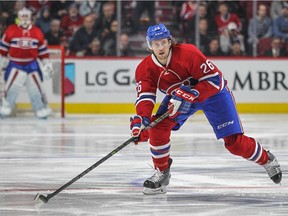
100	43
117	28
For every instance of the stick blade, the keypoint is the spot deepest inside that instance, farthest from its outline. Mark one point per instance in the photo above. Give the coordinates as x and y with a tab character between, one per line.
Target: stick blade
41	198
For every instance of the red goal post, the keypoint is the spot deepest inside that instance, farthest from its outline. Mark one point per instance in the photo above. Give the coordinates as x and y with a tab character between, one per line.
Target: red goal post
57	56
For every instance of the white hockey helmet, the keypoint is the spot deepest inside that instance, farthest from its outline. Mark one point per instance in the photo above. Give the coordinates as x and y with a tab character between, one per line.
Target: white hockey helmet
24	16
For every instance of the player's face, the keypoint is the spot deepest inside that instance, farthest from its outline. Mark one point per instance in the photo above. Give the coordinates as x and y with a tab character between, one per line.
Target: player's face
24	20
161	48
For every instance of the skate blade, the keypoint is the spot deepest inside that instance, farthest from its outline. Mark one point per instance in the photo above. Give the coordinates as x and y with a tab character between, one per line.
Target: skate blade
149	191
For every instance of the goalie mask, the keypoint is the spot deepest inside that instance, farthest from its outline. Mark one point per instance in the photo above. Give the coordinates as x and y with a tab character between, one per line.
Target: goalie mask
24	16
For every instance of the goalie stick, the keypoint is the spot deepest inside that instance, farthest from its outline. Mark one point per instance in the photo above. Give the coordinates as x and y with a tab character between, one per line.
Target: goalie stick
45	199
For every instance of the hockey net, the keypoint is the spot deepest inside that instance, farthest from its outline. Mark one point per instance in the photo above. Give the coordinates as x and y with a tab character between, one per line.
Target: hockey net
54	87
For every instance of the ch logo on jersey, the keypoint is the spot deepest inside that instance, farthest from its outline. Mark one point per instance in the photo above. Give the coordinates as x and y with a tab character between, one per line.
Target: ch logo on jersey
25	44
170	80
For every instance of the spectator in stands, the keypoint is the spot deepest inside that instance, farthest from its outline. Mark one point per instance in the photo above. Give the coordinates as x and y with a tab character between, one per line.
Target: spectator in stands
202	13
108	40
124	45
104	22
260	26
64	42
55	34
276	8
236	7
84	36
72	22
214	48
90	7
280	25
188	11
60	8
37	6
277	49
94	48
225	17
235	49
44	20
2	26
127	17
141	7
12	18
230	35
204	35
6	9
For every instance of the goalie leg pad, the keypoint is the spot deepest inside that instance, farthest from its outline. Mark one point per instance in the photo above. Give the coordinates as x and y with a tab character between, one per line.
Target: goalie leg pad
14	84
5	109
37	95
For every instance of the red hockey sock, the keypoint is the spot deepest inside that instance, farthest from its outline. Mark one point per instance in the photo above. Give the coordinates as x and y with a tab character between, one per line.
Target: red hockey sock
160	143
247	147
161	163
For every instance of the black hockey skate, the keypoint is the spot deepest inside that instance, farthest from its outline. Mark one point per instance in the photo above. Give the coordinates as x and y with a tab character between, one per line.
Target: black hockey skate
157	183
272	168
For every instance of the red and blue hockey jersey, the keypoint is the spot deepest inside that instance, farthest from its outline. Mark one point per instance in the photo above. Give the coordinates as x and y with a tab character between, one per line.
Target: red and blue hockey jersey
23	45
185	64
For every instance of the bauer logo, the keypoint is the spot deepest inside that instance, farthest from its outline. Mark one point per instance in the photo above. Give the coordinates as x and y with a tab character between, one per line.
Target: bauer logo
225	124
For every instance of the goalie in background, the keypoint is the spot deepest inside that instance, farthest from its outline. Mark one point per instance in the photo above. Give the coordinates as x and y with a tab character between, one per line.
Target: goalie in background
191	82
28	61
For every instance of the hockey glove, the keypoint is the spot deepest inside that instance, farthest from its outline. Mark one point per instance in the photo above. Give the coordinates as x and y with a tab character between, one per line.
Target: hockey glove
137	124
181	100
47	68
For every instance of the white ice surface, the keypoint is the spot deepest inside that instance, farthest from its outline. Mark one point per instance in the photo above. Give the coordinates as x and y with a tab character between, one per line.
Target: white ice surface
39	156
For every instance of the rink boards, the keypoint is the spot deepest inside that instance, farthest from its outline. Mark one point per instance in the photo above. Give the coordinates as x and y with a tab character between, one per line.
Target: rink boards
106	85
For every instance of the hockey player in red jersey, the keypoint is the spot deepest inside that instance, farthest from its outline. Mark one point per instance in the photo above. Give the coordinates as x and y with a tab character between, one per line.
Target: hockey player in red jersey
23	44
191	82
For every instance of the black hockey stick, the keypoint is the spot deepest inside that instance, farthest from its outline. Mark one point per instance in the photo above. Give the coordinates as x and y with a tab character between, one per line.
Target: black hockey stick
45	199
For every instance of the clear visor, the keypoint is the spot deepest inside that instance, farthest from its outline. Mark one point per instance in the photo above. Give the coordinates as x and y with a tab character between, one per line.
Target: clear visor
148	43
160	43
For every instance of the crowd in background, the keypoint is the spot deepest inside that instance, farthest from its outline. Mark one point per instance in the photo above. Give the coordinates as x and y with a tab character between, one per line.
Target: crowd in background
218	28
229	28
